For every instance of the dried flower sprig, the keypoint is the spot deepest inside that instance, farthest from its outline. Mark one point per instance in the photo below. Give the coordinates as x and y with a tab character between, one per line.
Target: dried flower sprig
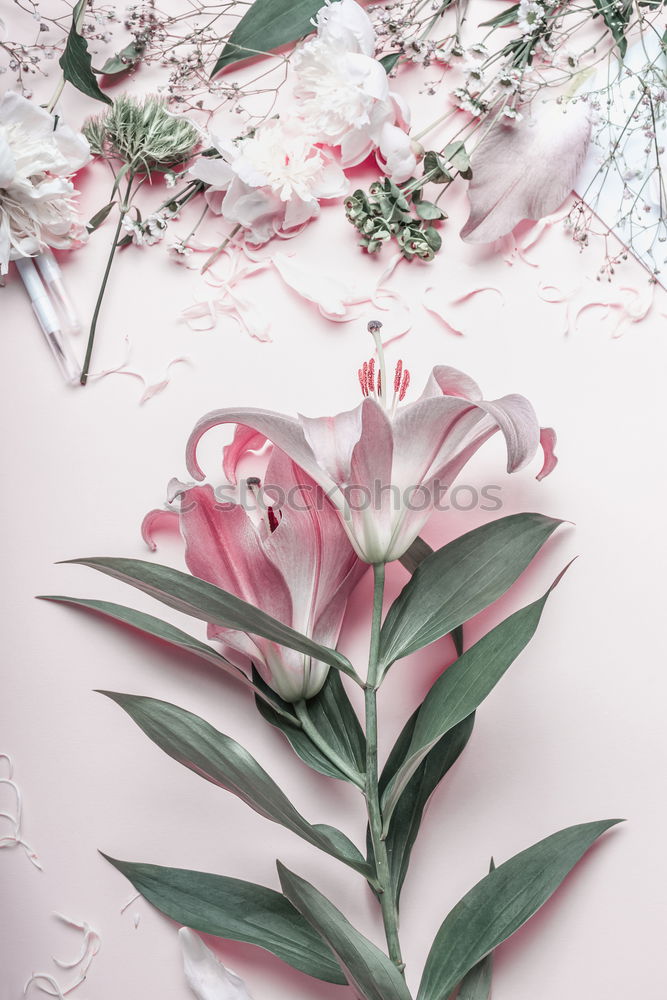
137	137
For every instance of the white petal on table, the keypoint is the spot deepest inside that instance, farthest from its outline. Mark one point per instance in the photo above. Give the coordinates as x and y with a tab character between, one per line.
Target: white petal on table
207	977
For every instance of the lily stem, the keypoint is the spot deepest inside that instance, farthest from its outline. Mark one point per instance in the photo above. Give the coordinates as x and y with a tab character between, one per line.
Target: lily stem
385	890
301	709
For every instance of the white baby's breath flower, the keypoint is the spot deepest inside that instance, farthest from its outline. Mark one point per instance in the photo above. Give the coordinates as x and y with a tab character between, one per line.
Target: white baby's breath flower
37	197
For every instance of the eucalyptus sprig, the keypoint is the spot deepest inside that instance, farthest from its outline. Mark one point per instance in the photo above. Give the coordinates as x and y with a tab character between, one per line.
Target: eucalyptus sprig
137	138
389	211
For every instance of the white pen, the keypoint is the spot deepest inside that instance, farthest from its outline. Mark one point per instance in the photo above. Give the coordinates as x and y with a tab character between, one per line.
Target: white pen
48	320
53	279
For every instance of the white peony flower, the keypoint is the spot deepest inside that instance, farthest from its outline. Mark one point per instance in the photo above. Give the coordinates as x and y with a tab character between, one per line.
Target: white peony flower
342	90
37	198
272	181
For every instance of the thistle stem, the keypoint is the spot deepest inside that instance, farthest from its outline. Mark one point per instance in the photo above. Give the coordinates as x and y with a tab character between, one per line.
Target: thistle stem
301	709
124	209
98	304
385	890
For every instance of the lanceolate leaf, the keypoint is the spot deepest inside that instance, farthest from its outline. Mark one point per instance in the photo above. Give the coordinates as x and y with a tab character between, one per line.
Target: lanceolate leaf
218	758
158	629
237	911
267	25
333	716
501	903
616	16
461	689
411	558
368	970
122	61
459	580
203	600
409	810
476	984
75	61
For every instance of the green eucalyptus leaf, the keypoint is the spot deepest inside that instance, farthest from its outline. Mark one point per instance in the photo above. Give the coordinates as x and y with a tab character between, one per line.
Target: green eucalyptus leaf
75	61
459	580
428	210
266	26
203	600
332	715
500	904
460	690
237	911
455	153
433	238
221	760
367	969
96	220
435	166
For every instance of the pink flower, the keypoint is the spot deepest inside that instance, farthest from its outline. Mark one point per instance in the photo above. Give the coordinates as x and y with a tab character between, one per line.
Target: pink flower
292	560
383	465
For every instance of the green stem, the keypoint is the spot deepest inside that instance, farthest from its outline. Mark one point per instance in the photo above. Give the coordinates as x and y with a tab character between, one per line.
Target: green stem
301	709
385	890
124	209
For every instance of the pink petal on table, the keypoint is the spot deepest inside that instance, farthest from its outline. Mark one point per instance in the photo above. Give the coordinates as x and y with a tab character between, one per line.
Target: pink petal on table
526	169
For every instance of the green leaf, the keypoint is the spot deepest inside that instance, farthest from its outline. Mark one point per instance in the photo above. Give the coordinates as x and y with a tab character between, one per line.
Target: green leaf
460	690
508	16
410	559
368	970
476	984
96	221
333	716
435	166
267	25
455	153
122	61
203	600
433	238
616	15
198	746
501	903
428	210
75	61
235	910
389	61
406	820
459	580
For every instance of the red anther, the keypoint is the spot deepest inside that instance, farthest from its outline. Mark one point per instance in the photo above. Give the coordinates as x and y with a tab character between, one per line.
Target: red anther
273	520
363	382
379	383
404	385
397	376
371	375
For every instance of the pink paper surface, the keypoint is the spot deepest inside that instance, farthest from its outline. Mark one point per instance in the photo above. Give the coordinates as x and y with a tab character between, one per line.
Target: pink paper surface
574	732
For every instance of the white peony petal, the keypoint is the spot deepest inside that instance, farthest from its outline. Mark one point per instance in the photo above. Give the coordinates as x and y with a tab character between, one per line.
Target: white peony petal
525	170
206	976
7	163
397	151
347	23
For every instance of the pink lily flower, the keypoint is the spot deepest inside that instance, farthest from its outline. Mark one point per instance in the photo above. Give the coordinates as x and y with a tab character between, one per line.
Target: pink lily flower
384	465
292	560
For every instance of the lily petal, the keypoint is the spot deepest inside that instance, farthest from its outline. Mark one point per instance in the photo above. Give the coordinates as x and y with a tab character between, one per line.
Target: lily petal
525	170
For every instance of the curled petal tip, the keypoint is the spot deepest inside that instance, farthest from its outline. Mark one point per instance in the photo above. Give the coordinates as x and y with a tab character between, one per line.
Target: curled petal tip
548	444
156	520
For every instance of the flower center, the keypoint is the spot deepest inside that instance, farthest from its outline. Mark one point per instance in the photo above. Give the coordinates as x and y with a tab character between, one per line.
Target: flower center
373	381
266	513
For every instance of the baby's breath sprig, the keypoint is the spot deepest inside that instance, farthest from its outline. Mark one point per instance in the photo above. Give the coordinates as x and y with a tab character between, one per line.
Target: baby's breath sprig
137	137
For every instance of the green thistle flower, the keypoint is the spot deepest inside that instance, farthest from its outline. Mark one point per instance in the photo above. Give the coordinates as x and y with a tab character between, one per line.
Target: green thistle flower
141	133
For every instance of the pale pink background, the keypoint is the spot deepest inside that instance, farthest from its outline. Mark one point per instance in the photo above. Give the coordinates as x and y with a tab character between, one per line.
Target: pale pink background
574	732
